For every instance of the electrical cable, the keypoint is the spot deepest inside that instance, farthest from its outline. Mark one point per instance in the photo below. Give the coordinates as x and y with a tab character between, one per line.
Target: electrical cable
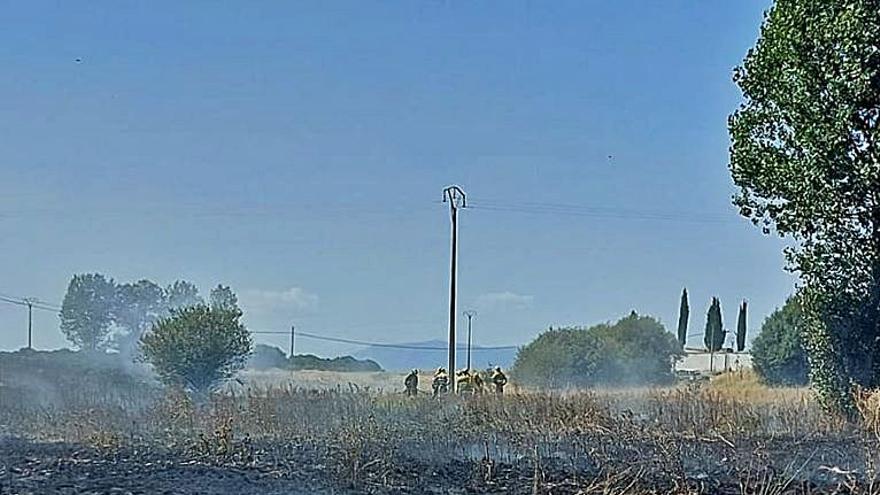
382	344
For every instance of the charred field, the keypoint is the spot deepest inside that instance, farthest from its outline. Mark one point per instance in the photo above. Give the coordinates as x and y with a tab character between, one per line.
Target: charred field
103	434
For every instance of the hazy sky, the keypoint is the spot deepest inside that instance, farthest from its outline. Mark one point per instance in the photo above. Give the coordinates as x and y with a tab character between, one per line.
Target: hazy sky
297	152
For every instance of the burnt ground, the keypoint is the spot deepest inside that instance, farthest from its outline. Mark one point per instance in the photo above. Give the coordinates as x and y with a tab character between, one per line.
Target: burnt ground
44	468
137	439
61	468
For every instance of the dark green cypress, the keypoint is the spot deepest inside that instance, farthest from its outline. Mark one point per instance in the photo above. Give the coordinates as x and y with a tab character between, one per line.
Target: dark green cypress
715	334
684	313
741	328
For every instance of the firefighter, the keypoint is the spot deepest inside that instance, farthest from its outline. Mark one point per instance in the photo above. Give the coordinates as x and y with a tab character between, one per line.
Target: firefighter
463	382
499	379
440	384
411	382
477	380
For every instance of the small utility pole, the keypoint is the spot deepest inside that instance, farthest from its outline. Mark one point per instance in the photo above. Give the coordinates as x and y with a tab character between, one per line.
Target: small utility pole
712	351
30	306
456	199
470	315
292	335
712	359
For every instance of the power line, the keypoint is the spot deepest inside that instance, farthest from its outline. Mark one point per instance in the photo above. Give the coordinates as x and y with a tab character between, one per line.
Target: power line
21	301
595	212
379	344
30	303
13	301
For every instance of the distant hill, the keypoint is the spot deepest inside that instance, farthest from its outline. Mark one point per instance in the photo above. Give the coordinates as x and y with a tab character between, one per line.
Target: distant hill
428	358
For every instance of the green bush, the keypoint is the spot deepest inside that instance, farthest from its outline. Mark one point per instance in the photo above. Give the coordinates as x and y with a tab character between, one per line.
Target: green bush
636	350
777	353
198	347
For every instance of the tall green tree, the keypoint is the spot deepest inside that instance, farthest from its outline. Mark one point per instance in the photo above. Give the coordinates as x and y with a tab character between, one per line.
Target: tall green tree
715	334
741	327
182	294
87	311
805	152
777	353
136	306
684	312
197	347
222	297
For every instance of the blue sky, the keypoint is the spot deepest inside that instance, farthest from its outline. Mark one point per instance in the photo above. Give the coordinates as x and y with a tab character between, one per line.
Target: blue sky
297	152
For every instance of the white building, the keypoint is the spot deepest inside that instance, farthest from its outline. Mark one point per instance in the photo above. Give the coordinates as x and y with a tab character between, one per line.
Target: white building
700	361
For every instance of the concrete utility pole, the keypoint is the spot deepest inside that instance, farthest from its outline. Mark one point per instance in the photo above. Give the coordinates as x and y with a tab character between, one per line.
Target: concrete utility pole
30	306
456	199
711	360
470	315
712	351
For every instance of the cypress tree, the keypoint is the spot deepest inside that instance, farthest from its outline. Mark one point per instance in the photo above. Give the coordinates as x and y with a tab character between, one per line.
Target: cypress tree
741	327
684	312
714	336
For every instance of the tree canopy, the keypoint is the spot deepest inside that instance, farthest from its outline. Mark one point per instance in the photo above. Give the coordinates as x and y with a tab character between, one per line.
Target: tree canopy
136	306
197	347
222	297
99	313
777	353
87	311
634	350
805	154
181	294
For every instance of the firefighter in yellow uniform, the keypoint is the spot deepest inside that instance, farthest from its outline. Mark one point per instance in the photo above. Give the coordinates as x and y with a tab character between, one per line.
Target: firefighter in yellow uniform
477	381
440	384
463	384
499	379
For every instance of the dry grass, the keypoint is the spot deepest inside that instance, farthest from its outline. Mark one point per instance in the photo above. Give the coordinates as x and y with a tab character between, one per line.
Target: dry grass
732	433
746	385
378	382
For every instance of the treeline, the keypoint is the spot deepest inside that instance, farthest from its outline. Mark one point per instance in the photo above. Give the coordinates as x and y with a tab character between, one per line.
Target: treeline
270	357
777	351
99	313
189	343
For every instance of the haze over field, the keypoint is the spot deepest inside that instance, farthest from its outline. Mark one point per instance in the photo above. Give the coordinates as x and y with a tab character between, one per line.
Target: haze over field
299	155
226	219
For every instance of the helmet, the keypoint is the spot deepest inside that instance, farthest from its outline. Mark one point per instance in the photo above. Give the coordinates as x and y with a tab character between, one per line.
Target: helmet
498	368
415	371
